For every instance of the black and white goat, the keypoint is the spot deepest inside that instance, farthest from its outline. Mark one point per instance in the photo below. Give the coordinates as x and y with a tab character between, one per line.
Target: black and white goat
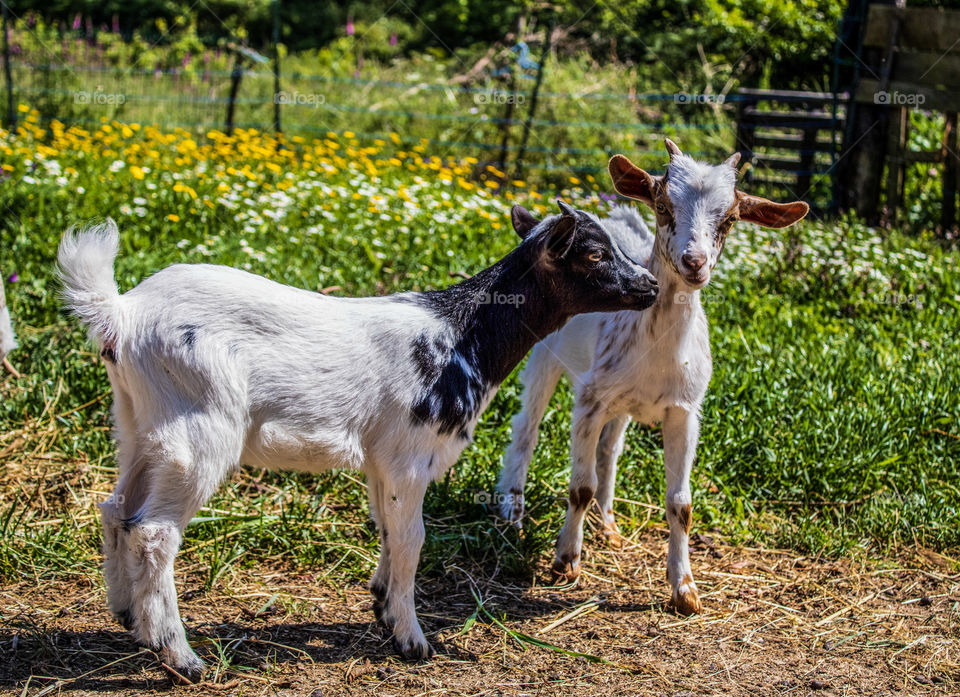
212	367
652	366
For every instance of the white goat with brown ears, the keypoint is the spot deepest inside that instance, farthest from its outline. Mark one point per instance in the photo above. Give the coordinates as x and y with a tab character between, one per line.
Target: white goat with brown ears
652	366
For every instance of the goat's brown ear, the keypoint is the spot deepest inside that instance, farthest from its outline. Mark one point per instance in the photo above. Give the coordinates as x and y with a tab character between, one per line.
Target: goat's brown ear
523	220
761	211
631	181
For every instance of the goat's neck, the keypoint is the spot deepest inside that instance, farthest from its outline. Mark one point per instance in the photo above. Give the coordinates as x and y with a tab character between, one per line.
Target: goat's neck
498	315
677	305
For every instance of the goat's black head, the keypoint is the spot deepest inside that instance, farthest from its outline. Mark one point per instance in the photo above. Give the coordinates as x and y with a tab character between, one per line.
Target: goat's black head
575	259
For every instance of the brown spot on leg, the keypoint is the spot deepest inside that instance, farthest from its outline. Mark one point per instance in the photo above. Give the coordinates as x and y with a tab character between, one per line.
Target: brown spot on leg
581	498
683	514
685	600
109	352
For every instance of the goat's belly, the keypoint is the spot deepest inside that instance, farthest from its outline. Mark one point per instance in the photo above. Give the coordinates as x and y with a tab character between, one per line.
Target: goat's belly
276	446
650	413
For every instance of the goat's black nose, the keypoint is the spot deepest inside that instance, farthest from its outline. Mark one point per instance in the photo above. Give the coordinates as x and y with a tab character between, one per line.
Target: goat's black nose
645	285
694	260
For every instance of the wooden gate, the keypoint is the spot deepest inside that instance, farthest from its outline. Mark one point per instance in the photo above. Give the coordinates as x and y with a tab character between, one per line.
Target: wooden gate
791	141
919	68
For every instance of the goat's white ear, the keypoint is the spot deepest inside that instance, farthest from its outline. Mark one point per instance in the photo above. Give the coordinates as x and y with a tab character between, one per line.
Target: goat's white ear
672	148
523	221
733	160
761	211
631	181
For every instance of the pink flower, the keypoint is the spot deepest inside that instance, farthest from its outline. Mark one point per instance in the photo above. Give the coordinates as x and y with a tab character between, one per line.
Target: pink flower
77	21
350	27
393	39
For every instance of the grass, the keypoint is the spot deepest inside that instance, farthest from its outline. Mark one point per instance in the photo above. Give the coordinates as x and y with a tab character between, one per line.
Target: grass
830	426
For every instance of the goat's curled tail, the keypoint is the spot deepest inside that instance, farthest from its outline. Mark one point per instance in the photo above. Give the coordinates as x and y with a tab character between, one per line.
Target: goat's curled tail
85	261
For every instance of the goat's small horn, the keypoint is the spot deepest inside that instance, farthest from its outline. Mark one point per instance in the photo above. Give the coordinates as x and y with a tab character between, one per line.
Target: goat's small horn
566	208
672	148
733	160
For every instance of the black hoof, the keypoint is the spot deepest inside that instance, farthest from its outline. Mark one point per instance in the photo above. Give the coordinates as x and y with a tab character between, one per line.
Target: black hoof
185	675
379	592
378	607
413	651
125	619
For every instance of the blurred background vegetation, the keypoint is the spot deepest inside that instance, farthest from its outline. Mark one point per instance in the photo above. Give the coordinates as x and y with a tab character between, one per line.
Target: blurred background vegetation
455	75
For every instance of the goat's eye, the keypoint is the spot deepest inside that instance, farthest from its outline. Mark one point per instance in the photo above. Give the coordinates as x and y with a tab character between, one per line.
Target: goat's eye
595	257
661	208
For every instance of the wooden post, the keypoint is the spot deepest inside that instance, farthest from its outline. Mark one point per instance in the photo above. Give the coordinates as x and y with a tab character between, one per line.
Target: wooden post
507	118
896	149
275	6
533	101
235	76
951	165
860	167
11	120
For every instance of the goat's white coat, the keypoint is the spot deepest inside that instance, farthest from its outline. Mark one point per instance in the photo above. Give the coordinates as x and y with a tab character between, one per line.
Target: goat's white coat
287	396
651	366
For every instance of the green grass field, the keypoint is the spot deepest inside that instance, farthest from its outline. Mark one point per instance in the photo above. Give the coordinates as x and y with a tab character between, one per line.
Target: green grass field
830	425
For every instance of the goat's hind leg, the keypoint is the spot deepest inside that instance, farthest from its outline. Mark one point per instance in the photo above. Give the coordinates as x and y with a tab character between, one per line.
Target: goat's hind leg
539	379
126	498
608	452
182	476
589	416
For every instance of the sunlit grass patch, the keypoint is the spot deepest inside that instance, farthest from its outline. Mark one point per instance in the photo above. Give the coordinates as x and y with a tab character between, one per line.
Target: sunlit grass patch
830	423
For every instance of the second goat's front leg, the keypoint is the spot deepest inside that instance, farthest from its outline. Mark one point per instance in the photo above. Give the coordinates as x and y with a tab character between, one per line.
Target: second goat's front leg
588	419
401	520
680	433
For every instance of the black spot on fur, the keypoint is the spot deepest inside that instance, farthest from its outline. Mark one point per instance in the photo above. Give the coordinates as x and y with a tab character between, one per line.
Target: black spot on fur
108	354
189	336
430	356
132	521
452	399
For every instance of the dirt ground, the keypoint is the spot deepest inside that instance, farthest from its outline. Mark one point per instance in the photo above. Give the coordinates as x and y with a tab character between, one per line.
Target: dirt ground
773	624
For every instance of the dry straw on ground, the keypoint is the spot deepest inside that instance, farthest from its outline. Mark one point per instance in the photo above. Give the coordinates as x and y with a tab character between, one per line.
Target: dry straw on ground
774	623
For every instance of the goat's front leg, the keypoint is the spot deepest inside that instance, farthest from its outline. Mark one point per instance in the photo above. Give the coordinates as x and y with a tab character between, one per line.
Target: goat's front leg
680	433
588	419
381	577
401	522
